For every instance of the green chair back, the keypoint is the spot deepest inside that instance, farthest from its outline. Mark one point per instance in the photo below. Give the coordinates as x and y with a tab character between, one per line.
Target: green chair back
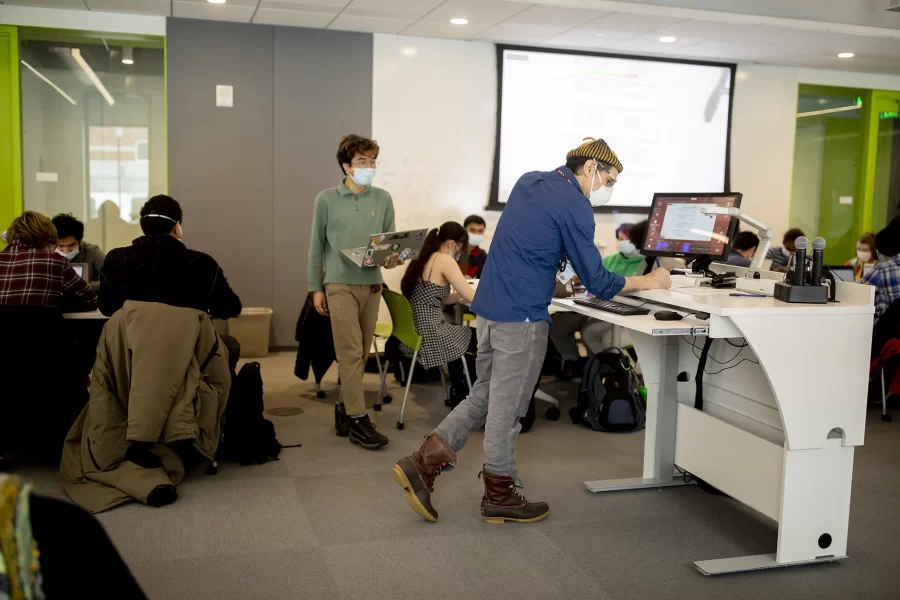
402	316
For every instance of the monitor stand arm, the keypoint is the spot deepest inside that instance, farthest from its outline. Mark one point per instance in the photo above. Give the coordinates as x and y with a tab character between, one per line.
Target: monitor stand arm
765	235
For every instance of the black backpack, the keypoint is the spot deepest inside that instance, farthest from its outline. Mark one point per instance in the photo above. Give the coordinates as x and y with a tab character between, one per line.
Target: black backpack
608	397
249	437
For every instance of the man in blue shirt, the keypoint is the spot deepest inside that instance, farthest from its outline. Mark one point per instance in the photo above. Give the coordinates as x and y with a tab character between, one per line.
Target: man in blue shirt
548	219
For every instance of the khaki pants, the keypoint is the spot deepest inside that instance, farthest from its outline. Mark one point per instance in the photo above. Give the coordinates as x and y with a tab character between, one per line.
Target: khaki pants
354	311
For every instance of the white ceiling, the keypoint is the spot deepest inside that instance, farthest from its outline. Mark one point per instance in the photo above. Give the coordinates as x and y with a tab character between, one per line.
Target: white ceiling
806	39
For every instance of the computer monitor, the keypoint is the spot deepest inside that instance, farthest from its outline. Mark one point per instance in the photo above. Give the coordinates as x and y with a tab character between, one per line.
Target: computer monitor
677	226
843	272
83	270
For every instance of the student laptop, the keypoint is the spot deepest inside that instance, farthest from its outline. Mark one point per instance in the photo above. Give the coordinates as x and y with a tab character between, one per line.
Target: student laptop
408	244
842	272
83	270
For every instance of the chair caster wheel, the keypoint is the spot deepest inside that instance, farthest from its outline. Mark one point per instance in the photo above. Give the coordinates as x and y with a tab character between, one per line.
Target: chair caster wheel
399	425
552	413
320	394
377	408
887	418
387	399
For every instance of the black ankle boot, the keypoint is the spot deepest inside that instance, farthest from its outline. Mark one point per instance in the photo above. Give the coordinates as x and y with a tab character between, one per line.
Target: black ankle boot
341	420
362	432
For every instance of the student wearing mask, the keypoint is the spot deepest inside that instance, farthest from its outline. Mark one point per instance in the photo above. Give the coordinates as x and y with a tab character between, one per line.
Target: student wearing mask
742	249
866	256
345	217
158	267
626	262
885	276
552	212
33	274
73	247
427	284
475	227
782	254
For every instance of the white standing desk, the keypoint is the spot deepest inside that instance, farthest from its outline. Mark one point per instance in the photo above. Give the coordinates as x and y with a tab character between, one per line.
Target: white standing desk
778	435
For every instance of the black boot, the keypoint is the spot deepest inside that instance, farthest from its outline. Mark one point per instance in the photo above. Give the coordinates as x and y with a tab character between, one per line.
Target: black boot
362	432
341	420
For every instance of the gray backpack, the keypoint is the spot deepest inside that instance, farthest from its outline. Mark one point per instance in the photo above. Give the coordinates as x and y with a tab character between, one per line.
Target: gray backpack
608	398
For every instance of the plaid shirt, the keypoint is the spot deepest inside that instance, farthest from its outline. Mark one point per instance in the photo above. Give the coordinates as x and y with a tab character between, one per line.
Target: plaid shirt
885	276
29	276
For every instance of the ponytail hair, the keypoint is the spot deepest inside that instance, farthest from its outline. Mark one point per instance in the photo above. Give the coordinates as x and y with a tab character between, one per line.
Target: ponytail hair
450	230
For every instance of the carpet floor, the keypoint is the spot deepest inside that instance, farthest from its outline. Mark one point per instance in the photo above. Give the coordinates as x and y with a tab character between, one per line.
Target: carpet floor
328	522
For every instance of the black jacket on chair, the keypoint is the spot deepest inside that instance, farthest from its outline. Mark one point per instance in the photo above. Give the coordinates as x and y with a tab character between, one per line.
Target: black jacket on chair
316	343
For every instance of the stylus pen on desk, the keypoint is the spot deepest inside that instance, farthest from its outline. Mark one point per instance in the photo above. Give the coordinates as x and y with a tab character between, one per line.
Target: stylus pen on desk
747	295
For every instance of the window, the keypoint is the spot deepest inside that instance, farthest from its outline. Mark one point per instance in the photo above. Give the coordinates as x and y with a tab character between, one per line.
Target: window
93	129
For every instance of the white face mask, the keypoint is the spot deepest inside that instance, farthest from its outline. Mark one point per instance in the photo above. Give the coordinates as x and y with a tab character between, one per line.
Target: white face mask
626	247
71	255
786	252
863	256
475	239
601	195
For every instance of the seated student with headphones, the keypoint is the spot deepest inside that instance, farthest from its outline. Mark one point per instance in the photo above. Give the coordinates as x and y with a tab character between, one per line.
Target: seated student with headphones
427	285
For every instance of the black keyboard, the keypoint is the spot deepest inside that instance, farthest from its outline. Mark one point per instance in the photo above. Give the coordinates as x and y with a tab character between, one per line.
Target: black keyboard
618	308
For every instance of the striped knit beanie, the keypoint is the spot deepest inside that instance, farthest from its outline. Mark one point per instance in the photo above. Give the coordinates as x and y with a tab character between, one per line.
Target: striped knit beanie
598	150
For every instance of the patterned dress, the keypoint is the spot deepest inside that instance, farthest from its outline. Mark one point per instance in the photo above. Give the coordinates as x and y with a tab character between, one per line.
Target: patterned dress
441	343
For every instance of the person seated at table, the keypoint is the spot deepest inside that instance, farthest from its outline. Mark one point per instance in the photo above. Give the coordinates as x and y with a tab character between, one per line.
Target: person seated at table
427	284
76	250
33	274
475	226
626	262
158	267
743	248
781	255
866	256
885	276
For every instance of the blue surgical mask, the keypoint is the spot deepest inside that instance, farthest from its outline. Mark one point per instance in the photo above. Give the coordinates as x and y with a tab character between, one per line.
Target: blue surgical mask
475	239
363	177
71	255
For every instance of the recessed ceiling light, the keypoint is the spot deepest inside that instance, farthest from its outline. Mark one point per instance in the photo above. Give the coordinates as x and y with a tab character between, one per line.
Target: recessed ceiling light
600	34
127	56
409	51
459	21
216	1
845	55
667	39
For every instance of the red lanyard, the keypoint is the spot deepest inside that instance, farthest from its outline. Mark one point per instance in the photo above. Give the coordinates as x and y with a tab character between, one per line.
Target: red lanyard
566	177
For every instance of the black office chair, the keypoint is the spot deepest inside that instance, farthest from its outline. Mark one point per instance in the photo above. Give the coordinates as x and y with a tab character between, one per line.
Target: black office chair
42	393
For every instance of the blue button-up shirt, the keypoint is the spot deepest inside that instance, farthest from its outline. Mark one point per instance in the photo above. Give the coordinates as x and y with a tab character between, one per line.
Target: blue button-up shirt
885	276
546	218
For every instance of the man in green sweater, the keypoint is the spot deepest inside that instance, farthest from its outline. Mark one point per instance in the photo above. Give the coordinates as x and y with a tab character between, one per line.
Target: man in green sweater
345	217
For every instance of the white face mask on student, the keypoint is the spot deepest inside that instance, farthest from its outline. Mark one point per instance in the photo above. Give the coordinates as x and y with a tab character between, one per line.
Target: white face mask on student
475	239
627	248
71	255
601	195
863	256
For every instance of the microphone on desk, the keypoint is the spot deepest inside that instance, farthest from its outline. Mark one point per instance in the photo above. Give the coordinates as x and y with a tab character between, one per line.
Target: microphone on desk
801	243
818	245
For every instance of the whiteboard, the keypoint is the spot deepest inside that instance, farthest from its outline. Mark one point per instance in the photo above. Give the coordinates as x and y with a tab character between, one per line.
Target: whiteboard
434	117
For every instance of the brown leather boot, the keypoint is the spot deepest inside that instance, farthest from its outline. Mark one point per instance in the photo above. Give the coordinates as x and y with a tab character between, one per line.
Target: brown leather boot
416	474
502	502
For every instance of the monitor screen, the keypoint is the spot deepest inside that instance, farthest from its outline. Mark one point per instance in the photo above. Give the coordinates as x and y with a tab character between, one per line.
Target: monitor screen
79	269
843	273
677	227
662	119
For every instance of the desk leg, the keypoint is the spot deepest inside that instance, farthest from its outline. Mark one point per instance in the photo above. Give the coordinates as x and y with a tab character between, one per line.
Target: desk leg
815	512
659	362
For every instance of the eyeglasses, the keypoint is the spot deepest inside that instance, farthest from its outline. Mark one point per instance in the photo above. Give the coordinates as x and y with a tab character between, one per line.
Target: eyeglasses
365	164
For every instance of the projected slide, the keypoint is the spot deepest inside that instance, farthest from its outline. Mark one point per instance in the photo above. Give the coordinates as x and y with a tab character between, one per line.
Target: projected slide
667	122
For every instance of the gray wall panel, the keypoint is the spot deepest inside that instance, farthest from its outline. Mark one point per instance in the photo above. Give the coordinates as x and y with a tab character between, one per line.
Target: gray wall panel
323	91
247	176
220	159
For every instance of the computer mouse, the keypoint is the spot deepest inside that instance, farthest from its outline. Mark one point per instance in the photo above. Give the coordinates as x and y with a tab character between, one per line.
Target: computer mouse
667	315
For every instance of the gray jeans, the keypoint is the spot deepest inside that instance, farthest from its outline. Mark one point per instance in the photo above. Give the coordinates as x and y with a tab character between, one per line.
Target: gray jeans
508	366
